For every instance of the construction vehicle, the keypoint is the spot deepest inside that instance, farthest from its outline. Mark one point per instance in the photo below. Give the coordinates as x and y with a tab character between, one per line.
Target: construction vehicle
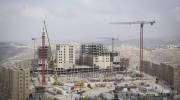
53	60
79	83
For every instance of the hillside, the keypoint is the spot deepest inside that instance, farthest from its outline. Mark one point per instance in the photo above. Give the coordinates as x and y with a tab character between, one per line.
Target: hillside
9	50
157	55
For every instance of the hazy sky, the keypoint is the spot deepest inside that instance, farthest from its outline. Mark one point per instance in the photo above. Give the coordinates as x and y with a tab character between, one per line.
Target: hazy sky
85	20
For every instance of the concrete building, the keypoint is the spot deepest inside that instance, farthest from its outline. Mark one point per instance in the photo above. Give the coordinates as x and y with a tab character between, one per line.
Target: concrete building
14	83
165	72
176	79
93	49
99	61
115	58
94	55
147	67
47	57
124	62
65	56
47	52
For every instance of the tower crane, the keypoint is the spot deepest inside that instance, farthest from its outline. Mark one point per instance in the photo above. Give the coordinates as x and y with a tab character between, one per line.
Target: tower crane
54	66
141	23
43	59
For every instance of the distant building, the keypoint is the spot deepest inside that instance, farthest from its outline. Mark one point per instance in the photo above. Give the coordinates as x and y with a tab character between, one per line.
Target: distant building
14	83
65	56
47	56
94	55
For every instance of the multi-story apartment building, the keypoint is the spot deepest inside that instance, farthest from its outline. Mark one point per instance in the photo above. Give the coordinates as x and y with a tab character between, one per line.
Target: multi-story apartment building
94	55
65	56
14	83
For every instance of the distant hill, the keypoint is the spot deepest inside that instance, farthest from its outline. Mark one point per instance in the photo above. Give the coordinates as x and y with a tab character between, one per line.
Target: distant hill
148	42
156	50
10	49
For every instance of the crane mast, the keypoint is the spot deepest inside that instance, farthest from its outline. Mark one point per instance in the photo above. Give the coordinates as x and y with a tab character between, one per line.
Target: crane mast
43	59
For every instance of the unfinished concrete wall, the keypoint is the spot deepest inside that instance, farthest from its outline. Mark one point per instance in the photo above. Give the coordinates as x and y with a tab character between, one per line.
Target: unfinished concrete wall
147	67
177	79
171	75
167	73
157	70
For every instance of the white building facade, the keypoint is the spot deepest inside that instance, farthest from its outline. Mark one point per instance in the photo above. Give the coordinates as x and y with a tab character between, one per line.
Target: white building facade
65	56
101	61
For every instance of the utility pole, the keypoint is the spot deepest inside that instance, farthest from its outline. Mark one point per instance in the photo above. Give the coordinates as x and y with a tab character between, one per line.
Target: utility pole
141	23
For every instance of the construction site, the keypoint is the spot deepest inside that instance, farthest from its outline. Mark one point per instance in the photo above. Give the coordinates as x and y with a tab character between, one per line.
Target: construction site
96	72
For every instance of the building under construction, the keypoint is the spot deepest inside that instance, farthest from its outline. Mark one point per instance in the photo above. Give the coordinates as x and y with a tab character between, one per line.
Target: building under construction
40	57
94	55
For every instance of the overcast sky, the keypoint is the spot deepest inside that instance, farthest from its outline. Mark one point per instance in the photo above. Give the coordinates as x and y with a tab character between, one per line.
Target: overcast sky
85	20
